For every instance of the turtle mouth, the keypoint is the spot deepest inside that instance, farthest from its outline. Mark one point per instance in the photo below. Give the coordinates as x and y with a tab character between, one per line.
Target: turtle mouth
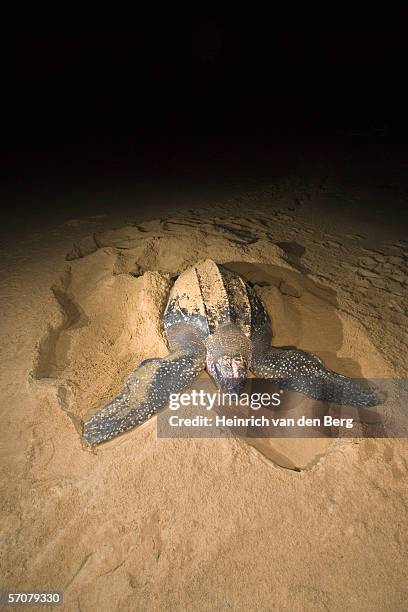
233	385
230	374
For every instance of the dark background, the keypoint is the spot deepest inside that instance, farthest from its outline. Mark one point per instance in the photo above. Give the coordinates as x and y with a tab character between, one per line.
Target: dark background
102	94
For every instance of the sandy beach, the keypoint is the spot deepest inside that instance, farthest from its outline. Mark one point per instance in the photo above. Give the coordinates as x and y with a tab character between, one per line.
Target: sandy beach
142	523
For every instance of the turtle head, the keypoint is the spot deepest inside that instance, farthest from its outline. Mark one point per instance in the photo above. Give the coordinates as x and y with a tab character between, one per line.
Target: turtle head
228	359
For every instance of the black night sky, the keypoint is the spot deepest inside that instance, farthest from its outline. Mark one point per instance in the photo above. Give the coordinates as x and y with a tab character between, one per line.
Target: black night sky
105	93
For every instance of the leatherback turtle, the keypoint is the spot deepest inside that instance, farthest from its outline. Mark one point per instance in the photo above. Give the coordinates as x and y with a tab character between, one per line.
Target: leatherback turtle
215	320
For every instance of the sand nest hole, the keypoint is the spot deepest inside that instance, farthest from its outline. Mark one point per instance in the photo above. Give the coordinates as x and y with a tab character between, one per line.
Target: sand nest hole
115	288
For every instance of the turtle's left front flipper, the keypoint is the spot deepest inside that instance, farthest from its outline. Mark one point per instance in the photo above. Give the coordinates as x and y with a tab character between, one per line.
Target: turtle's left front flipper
147	390
305	373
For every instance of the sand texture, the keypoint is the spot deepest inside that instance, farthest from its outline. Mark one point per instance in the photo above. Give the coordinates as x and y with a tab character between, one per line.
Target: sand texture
225	524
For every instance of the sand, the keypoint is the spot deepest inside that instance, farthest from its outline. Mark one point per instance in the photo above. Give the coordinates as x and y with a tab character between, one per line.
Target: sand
227	524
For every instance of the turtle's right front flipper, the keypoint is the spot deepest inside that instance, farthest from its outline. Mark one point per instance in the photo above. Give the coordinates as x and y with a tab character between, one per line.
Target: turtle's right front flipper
147	390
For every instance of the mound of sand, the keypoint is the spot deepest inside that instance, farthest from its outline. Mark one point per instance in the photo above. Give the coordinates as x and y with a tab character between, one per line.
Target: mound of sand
116	286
